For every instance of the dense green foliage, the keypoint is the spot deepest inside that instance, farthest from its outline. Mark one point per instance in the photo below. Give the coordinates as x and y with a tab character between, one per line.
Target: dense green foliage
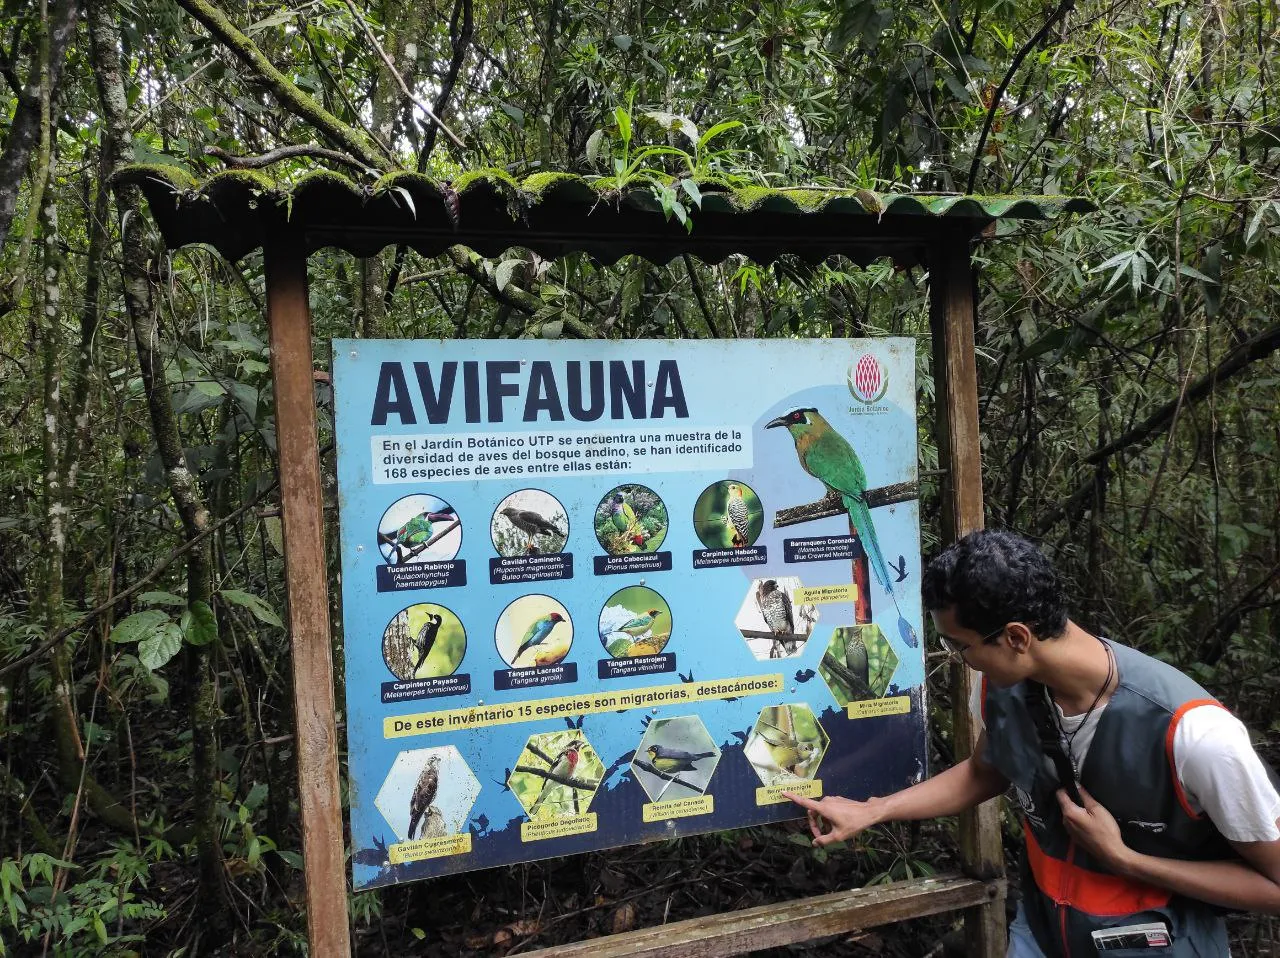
1127	362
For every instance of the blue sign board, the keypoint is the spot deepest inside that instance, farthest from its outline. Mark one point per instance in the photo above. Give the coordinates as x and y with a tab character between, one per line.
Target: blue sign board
600	593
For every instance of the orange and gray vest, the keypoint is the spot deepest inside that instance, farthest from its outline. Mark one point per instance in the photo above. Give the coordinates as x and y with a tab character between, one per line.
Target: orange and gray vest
1129	769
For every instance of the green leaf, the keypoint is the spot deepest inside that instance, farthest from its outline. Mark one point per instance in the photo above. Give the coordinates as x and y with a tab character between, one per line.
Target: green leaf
502	275
154	652
622	41
623	119
593	146
138	626
716	130
552	329
274	530
247	600
292	859
691	188
198	624
161	598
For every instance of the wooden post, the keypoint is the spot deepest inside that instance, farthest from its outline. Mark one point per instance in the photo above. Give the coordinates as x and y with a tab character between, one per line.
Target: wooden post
951	315
301	510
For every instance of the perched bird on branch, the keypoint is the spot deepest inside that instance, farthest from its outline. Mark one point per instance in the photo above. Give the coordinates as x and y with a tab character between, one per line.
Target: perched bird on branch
624	516
827	456
639	625
737	515
562	767
426	639
537	633
775	608
424	793
531	523
417	531
672	760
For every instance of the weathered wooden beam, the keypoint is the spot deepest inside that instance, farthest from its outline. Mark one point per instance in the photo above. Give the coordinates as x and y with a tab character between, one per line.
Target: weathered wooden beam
772	926
302	515
952	314
830	505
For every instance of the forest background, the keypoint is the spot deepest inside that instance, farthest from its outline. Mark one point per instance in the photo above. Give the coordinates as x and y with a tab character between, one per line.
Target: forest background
1127	361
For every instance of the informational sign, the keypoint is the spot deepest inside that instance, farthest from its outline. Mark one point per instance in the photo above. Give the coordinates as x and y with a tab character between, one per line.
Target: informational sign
600	593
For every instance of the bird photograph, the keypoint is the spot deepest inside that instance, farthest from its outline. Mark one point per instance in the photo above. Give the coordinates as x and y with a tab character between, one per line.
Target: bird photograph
529	522
858	663
419	528
728	515
828	456
772	623
428	793
675	759
630	519
786	743
556	775
635	621
533	630
423	641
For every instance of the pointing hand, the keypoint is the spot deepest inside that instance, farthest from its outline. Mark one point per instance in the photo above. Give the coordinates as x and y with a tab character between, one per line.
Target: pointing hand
834	819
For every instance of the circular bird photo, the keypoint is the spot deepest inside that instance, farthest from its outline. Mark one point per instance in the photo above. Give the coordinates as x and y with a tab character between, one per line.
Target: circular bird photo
556	775
423	641
419	528
675	759
728	515
529	522
635	621
631	518
533	630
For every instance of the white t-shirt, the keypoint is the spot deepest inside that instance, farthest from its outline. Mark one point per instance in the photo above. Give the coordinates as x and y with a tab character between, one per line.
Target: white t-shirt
1220	773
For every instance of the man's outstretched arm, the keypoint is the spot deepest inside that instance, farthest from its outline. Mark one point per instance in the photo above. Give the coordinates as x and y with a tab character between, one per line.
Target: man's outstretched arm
969	783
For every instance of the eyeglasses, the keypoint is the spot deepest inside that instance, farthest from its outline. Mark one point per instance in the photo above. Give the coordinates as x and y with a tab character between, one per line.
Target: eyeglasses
958	651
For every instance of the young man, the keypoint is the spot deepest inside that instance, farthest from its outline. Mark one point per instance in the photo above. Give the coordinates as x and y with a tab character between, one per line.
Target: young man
1143	802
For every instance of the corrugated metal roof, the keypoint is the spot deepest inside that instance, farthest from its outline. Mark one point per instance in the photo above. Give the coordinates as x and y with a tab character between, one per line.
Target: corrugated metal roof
557	213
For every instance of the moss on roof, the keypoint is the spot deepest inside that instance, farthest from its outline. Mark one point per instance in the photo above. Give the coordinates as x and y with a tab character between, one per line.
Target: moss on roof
557	212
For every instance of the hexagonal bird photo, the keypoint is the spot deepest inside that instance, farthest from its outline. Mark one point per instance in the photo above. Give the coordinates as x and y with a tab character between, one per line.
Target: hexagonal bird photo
428	793
533	630
787	743
556	776
419	528
772	623
675	759
423	641
728	515
529	522
635	621
630	518
858	663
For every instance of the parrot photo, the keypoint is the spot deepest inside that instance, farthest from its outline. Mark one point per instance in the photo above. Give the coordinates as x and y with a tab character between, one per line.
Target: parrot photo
537	633
563	767
669	761
827	456
624	517
530	523
424	793
426	639
737	516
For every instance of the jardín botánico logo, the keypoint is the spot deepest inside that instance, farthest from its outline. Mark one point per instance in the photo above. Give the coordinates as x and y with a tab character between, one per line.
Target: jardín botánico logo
868	379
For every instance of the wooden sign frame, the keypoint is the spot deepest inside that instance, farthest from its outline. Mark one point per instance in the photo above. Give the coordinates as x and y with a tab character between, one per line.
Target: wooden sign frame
980	892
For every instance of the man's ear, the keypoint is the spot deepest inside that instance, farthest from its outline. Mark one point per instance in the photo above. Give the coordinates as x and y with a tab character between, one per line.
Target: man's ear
1019	637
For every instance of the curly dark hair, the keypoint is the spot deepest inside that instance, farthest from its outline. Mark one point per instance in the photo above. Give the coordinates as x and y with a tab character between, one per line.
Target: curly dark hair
992	578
